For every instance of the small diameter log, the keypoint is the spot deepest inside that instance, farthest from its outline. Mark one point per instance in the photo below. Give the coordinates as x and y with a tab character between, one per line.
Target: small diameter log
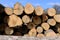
32	32
9	11
51	11
31	25
50	33
29	8
18	9
14	21
44	17
45	26
40	35
26	19
9	31
57	18
36	20
38	11
39	29
51	22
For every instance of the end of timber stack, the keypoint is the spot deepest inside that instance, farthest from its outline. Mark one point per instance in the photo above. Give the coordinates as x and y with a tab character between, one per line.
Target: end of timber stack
29	21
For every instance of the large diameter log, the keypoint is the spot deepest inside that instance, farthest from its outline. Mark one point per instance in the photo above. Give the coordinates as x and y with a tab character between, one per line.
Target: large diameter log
18	9
39	29
26	19
44	17
51	22
8	10
36	20
38	11
57	18
50	33
9	31
14	21
51	11
32	32
29	8
31	25
45	26
40	35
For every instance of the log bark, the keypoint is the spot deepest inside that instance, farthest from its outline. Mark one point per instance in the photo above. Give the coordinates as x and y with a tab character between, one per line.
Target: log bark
45	26
38	11
39	29
26	19
51	11
36	20
57	18
29	9
8	10
18	9
51	22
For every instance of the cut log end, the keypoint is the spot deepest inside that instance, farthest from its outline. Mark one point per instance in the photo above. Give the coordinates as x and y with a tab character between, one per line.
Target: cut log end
38	11
26	19
32	32
9	31
51	22
14	21
57	18
39	29
9	11
36	20
40	35
51	11
29	9
45	26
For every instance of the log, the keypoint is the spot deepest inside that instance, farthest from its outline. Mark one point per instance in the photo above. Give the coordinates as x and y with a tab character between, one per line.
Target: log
1	8
14	21
6	18
39	29
38	11
57	18
18	9
32	32
50	33
40	35
8	10
9	31
31	25
26	19
58	29
36	20
51	22
51	11
45	26
29	9
44	17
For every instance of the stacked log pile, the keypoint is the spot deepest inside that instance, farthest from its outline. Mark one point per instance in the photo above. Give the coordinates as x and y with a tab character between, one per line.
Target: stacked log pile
29	21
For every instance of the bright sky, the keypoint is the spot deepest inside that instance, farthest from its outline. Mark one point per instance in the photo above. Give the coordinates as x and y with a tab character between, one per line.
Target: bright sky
43	3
